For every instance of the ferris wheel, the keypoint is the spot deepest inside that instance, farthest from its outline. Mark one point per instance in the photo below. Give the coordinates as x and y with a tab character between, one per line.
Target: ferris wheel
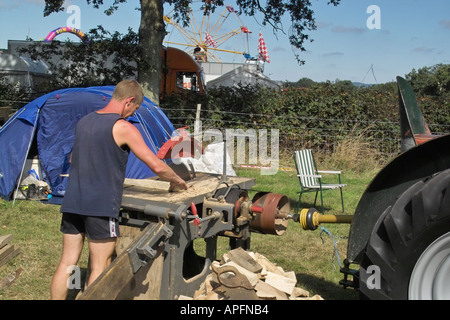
210	36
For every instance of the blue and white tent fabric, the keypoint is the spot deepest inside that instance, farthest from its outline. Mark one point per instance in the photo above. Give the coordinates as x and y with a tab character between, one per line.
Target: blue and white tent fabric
48	124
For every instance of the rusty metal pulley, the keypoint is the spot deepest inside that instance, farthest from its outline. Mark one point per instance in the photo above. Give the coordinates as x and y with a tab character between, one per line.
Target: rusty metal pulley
271	213
268	213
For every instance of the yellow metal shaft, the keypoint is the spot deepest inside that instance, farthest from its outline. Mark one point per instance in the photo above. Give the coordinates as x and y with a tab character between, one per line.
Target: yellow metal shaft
310	219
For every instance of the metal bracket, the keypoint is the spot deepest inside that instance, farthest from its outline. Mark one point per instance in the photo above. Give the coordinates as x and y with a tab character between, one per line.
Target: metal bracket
346	282
145	249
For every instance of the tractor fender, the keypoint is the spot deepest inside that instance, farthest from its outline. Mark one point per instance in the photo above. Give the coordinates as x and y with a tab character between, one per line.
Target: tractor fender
398	175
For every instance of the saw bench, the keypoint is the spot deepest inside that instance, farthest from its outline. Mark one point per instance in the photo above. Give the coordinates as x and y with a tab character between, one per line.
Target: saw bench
155	255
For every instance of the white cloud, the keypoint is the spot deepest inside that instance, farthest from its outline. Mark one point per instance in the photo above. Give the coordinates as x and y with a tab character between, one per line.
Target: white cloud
331	54
342	29
10	4
38	2
278	48
445	23
424	50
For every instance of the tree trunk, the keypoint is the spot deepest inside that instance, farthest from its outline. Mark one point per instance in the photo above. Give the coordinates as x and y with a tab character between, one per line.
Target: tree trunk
151	35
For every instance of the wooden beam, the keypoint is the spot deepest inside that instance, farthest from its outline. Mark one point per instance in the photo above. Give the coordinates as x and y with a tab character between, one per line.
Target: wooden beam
118	282
4	240
8	280
7	251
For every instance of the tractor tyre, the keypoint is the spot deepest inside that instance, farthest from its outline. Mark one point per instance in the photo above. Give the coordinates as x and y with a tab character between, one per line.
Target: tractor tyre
408	254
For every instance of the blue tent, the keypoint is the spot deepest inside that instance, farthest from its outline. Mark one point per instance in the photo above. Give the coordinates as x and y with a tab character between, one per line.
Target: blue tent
48	124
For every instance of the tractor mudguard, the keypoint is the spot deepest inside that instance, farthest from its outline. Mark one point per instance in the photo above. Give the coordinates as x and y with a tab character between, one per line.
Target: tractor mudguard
409	167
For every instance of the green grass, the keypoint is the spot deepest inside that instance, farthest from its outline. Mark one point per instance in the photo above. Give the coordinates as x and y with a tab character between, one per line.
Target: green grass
311	254
35	227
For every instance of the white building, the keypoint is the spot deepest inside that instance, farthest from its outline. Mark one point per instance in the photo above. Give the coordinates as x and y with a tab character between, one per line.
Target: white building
243	74
20	70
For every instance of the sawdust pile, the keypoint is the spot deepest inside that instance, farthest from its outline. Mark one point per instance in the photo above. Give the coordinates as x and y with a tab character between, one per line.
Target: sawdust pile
245	275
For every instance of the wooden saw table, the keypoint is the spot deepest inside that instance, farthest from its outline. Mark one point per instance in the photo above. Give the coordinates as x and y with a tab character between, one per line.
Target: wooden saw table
138	192
155	254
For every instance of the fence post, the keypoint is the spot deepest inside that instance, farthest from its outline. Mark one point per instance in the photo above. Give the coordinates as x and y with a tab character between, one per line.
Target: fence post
197	120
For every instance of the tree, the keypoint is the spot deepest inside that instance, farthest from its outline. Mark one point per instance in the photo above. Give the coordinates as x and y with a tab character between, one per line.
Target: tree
304	83
345	85
152	29
103	60
433	80
150	37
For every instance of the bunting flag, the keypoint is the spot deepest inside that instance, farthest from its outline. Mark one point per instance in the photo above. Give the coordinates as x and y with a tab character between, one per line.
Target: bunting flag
210	41
262	49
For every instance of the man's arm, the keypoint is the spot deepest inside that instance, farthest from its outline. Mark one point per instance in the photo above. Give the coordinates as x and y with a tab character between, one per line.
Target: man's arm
126	134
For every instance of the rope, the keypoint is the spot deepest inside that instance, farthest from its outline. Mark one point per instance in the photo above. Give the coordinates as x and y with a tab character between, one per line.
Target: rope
334	244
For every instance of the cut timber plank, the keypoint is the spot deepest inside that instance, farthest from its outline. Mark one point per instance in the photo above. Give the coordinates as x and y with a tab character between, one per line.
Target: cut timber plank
6	250
299	292
108	285
147	183
267	264
119	282
127	236
267	292
198	189
291	275
146	283
4	240
6	282
242	258
280	282
7	253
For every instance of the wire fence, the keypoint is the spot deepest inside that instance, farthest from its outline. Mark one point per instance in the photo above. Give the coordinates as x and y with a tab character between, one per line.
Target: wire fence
375	134
383	136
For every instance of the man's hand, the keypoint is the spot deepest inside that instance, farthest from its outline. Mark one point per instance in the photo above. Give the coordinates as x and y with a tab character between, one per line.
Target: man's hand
177	186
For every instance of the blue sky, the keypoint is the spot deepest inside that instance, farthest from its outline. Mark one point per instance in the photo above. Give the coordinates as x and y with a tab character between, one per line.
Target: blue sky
411	34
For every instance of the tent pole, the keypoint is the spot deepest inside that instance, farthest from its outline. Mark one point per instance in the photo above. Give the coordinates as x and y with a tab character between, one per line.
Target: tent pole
10	120
26	155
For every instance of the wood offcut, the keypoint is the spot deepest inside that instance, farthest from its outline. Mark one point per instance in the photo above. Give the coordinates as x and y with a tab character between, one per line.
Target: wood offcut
7	252
264	280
